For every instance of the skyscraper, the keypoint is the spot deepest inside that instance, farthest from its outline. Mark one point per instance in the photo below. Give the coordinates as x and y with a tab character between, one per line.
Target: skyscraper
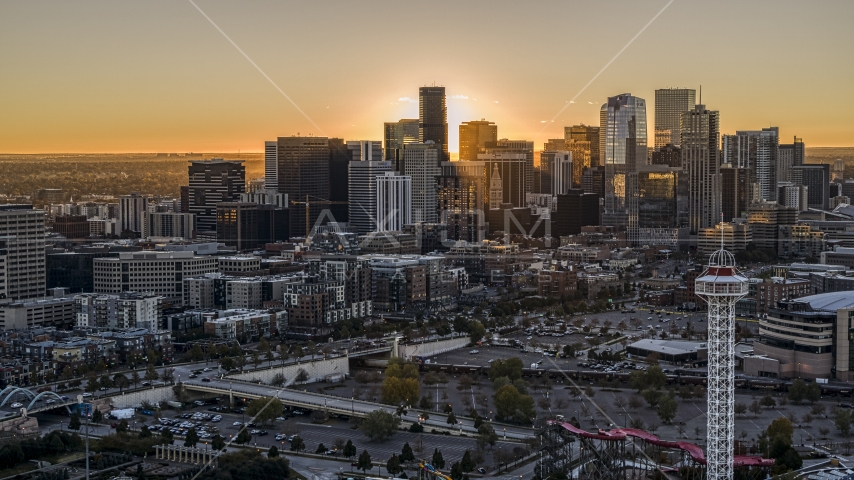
575	209
557	167
789	155
622	148
701	160
474	136
364	168
271	166
461	197
735	192
670	104
393	201
304	172
339	180
22	255
421	163
131	208
585	133
433	118
505	178
396	135
755	150
517	147
213	181
816	177
658	188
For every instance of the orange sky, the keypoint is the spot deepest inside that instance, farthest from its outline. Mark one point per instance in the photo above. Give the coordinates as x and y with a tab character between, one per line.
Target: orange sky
156	76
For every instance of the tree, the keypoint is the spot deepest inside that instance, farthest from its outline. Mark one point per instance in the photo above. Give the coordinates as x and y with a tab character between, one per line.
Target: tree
273	452
321	449
438	460
302	376
120	381
425	403
452	419
755	408
166	437
192	438
349	450
456	471
817	409
401	385
467	464
97	416
510	368
393	465
297	444
406	454
151	372
134	378
797	391
264	409
227	363
91	385
667	407
842	418
168	375
379	425
512	405
486	436
740	409
651	378
144	432
364	462
243	437
768	401
217	442
813	392
74	423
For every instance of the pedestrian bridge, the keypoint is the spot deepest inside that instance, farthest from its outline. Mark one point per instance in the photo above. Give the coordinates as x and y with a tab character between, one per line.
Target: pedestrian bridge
34	401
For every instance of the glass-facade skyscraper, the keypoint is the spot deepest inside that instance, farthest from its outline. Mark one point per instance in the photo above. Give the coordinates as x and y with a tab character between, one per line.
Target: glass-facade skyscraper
433	118
701	160
670	104
474	136
622	148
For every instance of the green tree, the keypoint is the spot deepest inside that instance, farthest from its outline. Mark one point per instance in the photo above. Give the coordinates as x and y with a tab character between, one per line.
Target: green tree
196	353
91	385
467	464
406	454
273	452
121	382
768	401
486	435
74	423
151	372
243	437
476	331
842	419
217	442
452	419
134	378
192	438
166	437
321	449
651	378
797	391
264	409
302	376
667	407
144	432
349	449
510	368
297	444
364	462
122	426
97	416
402	385
379	425
393	465
813	392
456	471
438	460
513	406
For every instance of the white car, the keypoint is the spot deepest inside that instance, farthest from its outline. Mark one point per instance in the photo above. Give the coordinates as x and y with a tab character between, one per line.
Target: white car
236	424
16	405
473	352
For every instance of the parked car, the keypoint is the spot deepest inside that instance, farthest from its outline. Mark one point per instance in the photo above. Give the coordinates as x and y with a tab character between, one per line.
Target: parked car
16	405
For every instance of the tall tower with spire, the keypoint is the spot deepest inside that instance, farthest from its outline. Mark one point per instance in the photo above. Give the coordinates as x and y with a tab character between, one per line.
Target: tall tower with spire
496	189
721	285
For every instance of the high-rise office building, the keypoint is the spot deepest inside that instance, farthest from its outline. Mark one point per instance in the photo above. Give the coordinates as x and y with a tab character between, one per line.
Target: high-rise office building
474	136
271	165
658	216
670	155
393	201
555	172
22	253
701	160
213	181
421	163
433	118
670	104
816	177
575	209
585	133
516	147
505	178
304	172
735	192
756	150
339	180
789	155
131	208
461	197
622	148
168	224
366	166
396	135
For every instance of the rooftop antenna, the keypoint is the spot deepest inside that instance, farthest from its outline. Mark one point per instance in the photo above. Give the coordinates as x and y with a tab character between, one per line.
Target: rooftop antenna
701	94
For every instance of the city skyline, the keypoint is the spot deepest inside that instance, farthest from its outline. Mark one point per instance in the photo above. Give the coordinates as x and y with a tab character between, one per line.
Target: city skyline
159	77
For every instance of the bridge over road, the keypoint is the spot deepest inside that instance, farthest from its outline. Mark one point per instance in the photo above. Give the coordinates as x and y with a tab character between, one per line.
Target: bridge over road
339	405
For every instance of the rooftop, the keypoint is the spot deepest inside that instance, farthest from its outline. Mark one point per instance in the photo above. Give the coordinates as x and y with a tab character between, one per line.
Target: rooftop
669	347
829	301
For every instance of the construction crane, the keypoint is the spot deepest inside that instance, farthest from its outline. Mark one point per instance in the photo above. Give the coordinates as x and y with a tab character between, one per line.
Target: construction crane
308	216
